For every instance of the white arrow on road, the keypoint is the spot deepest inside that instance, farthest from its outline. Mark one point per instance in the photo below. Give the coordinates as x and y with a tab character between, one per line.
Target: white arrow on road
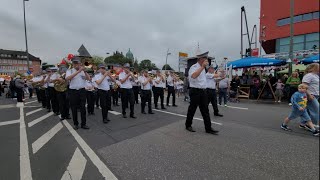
76	167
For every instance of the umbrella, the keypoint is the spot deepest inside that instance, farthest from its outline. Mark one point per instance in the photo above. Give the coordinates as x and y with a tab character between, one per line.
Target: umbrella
311	59
255	61
301	68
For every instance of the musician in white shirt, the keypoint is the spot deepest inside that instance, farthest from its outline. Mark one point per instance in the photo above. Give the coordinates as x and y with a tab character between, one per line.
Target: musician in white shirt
171	90
127	95
103	85
77	77
146	85
198	94
90	95
211	90
53	100
159	86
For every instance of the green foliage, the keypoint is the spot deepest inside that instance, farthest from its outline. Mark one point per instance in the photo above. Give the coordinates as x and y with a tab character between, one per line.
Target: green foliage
147	64
136	65
97	60
118	58
167	67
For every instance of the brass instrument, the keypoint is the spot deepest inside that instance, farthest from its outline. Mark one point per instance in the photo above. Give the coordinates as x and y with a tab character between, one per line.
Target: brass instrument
61	86
87	63
36	84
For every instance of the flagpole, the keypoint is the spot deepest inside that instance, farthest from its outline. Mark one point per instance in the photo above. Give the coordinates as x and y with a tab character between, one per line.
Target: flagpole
165	67
25	33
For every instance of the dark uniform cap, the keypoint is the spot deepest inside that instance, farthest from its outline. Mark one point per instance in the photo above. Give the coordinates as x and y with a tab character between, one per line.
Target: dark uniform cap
203	55
76	59
101	66
126	65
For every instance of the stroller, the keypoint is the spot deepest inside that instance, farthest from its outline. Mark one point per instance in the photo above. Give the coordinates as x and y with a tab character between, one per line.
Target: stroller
233	95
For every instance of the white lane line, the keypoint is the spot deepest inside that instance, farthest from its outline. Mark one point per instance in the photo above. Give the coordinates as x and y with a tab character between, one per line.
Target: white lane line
76	167
114	112
34	111
9	122
181	115
37	145
32	106
7	106
103	169
234	107
30	102
32	123
25	168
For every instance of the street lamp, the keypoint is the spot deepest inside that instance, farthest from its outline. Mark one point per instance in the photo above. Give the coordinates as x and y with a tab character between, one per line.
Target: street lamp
25	32
165	67
291	36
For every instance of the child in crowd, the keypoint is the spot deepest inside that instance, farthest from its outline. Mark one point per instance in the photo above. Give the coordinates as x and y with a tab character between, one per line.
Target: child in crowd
279	90
299	104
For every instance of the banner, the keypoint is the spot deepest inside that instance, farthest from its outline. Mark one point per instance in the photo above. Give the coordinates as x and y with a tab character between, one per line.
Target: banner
255	52
183	60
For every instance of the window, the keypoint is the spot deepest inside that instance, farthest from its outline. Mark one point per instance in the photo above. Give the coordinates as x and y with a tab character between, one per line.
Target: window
309	45
284	48
284	41
307	17
283	22
312	37
298	39
316	15
297	19
20	68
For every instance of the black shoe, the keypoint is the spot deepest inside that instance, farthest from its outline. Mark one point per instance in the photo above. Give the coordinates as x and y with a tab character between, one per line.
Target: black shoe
212	131
85	127
44	107
68	117
57	114
174	105
143	112
150	112
156	107
75	127
117	105
62	118
132	116
168	105
190	129
111	109
105	121
49	110
163	108
124	116
217	114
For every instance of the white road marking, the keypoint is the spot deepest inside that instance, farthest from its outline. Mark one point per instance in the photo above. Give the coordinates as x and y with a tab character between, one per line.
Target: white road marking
34	111
32	106
114	112
181	115
7	106
234	107
25	168
37	145
9	122
76	167
103	169
30	102
32	123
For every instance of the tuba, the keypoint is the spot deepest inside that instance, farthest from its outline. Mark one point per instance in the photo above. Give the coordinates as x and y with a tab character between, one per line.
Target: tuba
61	86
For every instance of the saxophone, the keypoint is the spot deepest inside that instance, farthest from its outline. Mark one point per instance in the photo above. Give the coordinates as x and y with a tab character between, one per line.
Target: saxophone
61	86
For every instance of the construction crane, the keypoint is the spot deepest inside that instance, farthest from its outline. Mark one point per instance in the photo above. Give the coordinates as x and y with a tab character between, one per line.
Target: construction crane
250	41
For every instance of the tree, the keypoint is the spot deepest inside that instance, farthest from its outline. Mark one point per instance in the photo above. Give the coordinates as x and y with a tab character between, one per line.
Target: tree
147	64
167	67
97	60
118	58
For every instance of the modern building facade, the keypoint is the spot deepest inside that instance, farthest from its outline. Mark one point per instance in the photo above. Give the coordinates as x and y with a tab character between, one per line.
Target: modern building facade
16	61
275	25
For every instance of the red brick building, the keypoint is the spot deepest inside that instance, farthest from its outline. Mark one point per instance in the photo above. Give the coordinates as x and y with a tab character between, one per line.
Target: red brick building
16	61
275	25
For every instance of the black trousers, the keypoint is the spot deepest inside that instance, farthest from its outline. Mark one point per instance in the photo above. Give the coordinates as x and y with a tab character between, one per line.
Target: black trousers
127	97
105	102
64	104
52	101
90	101
19	92
212	98
78	100
30	92
136	93
115	96
97	99
172	92
198	97
43	97
38	94
158	92
145	98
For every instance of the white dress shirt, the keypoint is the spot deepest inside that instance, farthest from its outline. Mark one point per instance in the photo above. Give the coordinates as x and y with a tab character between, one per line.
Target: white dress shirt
170	81
142	80
105	85
54	76
199	82
160	84
127	84
77	82
89	86
211	82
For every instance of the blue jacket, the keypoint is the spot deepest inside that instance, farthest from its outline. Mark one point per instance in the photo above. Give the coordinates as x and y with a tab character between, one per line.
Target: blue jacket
299	99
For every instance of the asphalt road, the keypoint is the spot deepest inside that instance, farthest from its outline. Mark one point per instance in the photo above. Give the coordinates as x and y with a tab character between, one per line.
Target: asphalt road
250	145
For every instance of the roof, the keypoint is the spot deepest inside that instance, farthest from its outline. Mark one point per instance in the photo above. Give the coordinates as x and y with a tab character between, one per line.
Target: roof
20	53
83	51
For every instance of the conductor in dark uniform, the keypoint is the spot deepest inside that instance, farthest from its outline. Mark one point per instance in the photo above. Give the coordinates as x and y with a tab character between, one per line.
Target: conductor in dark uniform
198	94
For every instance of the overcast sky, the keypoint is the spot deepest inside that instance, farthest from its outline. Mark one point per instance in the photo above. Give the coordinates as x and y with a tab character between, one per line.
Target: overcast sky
149	27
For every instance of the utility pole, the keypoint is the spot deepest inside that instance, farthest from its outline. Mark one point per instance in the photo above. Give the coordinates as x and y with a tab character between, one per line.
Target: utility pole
291	37
165	67
25	32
